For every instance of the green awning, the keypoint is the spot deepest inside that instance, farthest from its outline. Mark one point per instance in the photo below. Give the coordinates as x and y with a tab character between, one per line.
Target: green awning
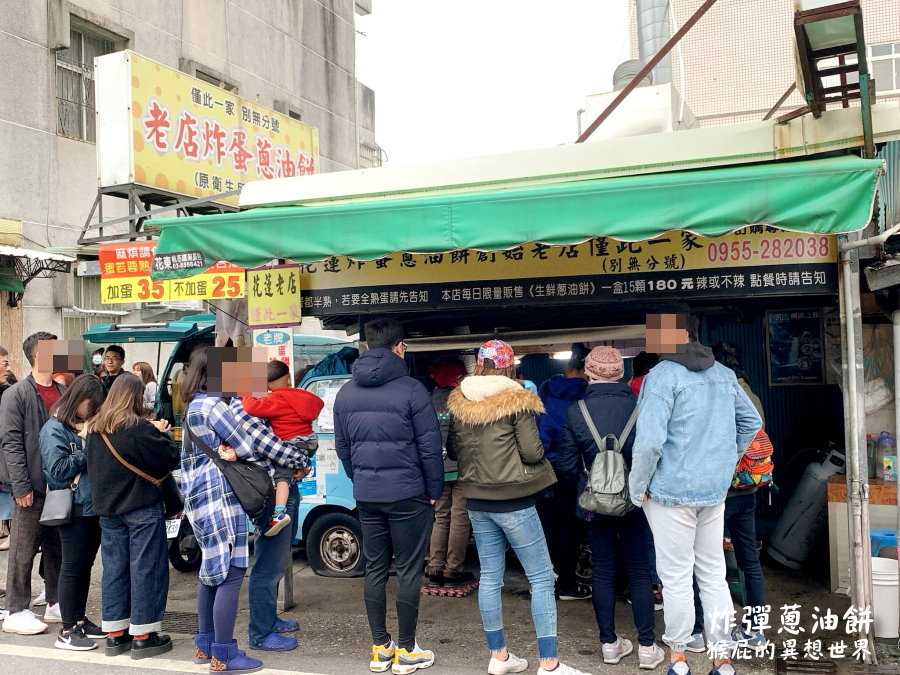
826	196
10	280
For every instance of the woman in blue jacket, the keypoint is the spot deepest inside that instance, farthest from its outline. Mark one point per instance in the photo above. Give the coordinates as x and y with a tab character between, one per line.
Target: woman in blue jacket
64	465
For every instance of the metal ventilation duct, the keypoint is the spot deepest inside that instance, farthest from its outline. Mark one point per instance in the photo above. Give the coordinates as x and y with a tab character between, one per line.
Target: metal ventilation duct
652	35
627	71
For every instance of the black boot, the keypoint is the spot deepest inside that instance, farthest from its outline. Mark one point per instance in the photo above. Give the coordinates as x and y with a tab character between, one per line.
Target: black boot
458	579
154	645
119	644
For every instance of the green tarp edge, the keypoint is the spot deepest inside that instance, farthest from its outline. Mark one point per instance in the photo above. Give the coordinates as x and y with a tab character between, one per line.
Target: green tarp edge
825	196
10	280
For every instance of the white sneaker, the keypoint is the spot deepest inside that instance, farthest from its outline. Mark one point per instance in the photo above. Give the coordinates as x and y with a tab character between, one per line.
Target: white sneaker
614	652
562	669
24	623
52	614
40	600
513	664
407	662
650	657
3	613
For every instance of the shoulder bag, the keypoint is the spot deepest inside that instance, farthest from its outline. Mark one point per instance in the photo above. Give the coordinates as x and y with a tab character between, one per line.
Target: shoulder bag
58	505
606	491
250	482
168	488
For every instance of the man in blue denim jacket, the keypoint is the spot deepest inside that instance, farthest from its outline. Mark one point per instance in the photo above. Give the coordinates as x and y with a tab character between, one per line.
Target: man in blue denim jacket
695	423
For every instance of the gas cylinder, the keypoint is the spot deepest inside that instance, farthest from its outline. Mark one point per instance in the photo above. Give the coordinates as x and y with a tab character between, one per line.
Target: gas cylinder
805	514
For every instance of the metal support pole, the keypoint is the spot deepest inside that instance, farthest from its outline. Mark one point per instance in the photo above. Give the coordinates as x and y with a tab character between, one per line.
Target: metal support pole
865	97
286	590
650	65
780	102
857	468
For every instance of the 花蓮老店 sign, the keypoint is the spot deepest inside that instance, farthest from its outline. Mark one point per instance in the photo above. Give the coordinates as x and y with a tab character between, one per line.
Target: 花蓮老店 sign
757	260
161	128
273	296
125	277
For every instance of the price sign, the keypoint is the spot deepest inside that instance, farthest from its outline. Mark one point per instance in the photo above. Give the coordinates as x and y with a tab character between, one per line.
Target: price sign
125	277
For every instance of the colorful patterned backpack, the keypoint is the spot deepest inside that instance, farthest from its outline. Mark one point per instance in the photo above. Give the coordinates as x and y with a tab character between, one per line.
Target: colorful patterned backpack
755	468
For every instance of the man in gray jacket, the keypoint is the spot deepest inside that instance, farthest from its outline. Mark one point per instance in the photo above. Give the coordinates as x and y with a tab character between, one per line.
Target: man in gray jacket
23	410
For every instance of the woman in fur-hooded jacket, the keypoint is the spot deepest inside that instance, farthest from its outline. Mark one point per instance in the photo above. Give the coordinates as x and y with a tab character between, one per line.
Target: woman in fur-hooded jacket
494	437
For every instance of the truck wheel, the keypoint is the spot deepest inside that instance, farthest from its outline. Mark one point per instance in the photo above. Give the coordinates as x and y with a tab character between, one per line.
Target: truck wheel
334	546
184	552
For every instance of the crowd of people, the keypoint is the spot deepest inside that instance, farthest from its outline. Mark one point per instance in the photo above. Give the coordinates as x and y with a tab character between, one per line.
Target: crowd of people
482	452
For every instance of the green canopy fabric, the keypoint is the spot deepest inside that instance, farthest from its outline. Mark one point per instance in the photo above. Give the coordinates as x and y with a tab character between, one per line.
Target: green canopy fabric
10	280
826	196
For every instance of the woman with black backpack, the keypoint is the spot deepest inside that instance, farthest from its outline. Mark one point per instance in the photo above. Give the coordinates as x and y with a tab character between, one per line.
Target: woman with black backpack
610	407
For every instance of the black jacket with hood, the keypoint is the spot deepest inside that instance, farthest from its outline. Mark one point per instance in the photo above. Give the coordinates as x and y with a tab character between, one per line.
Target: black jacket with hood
386	432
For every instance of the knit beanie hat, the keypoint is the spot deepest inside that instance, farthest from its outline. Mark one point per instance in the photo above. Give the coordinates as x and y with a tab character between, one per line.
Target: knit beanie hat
497	351
604	363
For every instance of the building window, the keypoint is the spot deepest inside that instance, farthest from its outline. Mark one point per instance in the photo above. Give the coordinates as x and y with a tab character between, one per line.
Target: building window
369	156
884	63
75	82
216	81
295	115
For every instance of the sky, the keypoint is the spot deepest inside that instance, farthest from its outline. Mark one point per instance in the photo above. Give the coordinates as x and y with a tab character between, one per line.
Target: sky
461	78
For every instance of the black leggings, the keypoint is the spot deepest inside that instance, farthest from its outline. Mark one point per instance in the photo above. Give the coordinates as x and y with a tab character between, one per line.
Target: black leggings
80	541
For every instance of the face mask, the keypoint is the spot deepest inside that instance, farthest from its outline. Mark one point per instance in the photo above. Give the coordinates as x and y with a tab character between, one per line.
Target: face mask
96	359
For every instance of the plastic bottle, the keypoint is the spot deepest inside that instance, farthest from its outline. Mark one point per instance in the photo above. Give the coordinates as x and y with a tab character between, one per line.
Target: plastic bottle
886	456
805	514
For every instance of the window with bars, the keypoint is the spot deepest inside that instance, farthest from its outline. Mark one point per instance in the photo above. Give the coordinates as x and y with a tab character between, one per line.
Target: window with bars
369	156
884	63
75	82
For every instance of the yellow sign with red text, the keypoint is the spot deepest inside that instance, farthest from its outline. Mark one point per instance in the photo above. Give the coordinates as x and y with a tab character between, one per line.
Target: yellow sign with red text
125	277
162	128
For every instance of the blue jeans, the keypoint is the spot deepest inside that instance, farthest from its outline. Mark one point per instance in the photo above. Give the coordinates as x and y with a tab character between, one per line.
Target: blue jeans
272	556
522	529
135	570
6	502
630	534
740	519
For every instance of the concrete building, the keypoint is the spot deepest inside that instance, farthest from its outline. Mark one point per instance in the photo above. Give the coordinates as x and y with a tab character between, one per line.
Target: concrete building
294	56
738	60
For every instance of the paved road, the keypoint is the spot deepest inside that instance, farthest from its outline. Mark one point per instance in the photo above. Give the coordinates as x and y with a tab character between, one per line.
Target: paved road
334	636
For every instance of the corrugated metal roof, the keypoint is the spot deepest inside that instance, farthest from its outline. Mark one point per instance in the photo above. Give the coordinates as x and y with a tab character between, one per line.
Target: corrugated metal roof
33	255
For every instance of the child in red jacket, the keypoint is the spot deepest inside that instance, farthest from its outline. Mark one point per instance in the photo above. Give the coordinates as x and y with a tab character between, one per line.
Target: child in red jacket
291	413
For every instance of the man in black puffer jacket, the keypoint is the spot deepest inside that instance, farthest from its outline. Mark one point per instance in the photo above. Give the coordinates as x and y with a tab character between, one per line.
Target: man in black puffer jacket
388	438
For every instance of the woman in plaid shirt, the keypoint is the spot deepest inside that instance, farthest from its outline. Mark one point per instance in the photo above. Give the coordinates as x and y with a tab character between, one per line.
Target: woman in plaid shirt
218	520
